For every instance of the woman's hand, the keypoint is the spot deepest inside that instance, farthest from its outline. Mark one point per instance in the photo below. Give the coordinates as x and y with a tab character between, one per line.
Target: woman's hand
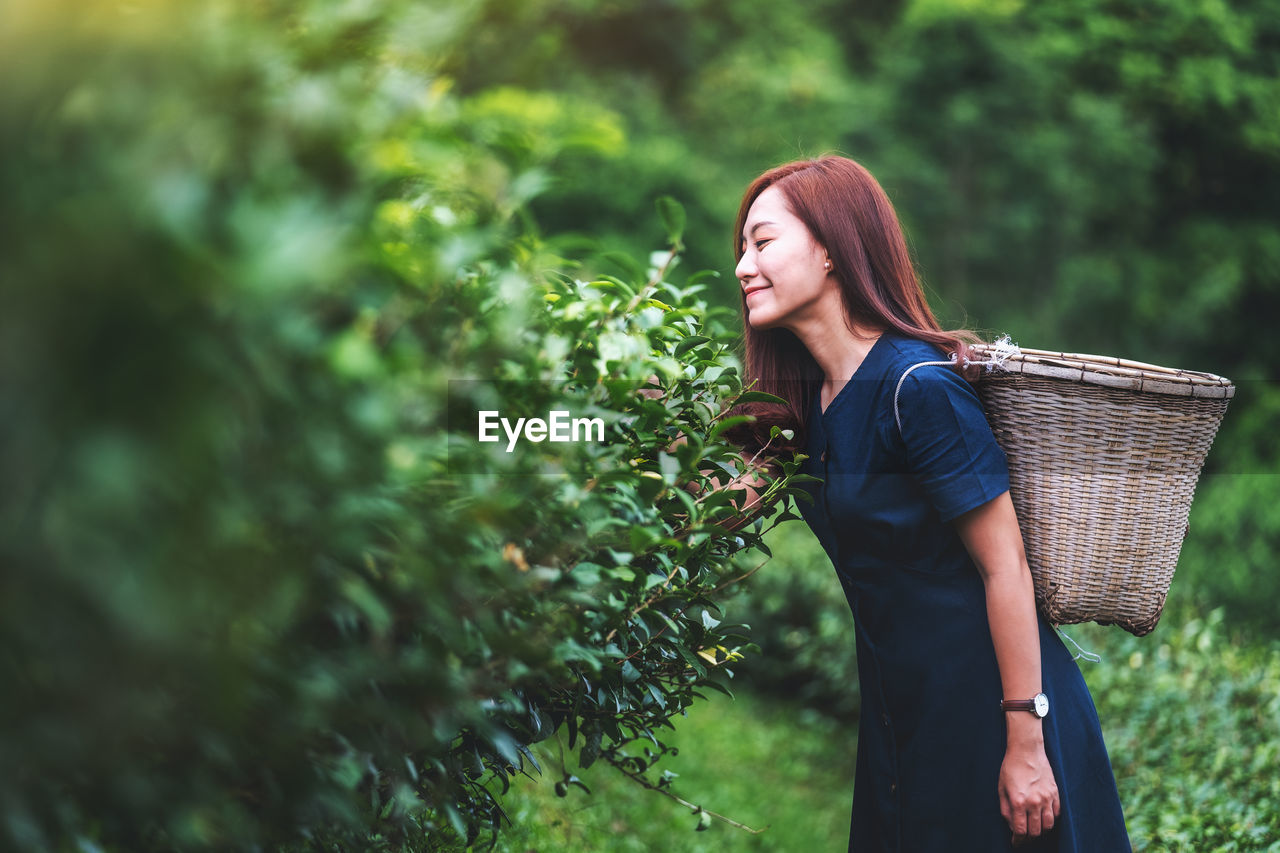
751	481
1028	793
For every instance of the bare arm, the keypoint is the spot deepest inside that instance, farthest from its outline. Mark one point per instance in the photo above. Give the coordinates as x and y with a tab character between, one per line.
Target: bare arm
1028	793
749	481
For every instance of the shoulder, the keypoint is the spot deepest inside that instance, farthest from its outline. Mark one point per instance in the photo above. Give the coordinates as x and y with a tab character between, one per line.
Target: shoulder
926	390
901	353
921	363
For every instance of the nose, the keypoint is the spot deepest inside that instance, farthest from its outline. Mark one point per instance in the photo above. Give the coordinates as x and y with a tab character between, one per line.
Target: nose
746	268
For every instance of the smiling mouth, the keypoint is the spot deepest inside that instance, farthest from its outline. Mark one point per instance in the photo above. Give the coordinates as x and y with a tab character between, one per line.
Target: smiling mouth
752	290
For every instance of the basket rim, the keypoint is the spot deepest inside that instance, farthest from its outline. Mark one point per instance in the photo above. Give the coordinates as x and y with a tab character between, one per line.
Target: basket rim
1111	372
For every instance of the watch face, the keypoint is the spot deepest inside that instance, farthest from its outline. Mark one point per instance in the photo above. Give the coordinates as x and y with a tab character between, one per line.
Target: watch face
1042	705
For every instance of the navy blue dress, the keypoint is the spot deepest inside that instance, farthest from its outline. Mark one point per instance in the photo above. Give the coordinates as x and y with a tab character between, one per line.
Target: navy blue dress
931	736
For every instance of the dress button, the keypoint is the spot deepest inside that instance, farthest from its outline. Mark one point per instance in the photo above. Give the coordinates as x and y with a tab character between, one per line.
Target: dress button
893	787
884	718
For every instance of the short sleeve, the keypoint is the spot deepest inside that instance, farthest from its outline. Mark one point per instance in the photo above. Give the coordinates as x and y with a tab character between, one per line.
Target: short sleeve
949	444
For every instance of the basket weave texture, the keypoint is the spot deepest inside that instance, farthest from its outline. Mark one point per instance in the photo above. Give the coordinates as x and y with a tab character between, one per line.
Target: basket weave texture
1104	455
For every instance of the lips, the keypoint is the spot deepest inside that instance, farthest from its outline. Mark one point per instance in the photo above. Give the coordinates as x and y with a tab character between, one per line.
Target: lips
756	289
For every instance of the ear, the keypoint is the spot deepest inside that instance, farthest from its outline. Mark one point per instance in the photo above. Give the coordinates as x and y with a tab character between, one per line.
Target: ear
827	264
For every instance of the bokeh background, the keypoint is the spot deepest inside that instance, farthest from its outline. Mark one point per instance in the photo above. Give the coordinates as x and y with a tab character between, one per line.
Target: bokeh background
244	246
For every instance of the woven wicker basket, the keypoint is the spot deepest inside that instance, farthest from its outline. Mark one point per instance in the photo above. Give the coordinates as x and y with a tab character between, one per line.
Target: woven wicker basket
1104	455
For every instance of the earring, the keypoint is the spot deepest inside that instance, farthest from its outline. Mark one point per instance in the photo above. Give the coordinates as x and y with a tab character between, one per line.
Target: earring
827	265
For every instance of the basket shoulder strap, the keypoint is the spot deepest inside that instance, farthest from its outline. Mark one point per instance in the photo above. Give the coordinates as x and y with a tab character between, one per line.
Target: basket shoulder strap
897	417
997	354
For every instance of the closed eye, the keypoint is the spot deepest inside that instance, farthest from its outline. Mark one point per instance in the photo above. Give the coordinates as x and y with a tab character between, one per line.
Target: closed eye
760	244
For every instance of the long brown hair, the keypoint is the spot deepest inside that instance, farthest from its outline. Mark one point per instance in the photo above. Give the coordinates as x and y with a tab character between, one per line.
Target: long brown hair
849	215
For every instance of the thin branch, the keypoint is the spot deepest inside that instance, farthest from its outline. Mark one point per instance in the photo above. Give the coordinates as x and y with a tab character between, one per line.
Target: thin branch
741	577
639	779
661	631
658	277
728	409
647	602
750	468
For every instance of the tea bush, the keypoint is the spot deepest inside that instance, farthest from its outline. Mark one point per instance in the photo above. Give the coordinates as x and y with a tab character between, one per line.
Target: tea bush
263	585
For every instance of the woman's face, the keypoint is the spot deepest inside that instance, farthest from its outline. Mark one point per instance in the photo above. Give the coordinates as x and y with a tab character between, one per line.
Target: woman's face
783	269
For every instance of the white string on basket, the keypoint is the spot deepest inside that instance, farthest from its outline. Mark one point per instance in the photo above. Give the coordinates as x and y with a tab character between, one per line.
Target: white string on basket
1092	657
1000	351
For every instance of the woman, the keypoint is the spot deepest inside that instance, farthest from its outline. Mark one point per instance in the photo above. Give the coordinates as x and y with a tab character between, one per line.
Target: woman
956	667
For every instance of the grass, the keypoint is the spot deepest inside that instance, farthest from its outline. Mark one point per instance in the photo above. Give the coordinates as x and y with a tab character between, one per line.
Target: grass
761	762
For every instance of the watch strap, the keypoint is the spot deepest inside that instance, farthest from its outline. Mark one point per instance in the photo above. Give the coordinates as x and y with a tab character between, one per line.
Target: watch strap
1038	705
1018	705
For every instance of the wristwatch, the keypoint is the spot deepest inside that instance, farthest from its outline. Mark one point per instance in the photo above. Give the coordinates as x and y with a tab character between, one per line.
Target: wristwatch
1038	705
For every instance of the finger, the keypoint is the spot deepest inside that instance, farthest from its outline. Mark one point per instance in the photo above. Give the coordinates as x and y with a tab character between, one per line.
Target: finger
1033	822
1057	804
1019	822
1047	819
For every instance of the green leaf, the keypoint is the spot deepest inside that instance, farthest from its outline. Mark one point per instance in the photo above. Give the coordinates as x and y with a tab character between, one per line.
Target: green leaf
630	265
715	685
587	574
527	753
729	423
669	465
455	819
688	344
572	722
700	276
505	745
759	397
641	538
686	499
692	659
706	602
629	672
591	741
673	217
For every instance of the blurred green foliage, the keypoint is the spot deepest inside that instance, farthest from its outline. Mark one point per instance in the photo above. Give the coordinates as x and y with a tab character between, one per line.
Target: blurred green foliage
256	591
1190	720
262	583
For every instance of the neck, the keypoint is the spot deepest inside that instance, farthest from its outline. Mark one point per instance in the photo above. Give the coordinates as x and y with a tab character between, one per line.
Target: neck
837	348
